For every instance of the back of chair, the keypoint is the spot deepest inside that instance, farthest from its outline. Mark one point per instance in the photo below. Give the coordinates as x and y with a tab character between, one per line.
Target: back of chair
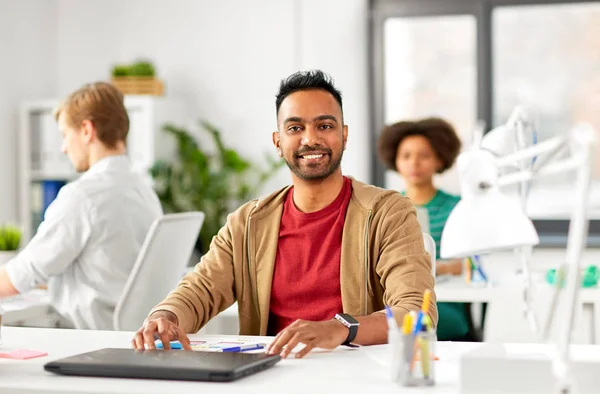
159	267
430	248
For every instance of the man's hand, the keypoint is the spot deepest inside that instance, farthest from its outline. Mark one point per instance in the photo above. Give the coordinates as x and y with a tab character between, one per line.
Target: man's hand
324	334
160	325
449	267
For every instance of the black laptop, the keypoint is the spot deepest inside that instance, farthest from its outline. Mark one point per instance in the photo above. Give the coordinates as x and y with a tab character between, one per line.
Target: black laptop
163	364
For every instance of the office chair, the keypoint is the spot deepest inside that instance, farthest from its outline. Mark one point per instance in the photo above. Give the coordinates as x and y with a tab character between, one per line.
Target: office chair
430	248
159	267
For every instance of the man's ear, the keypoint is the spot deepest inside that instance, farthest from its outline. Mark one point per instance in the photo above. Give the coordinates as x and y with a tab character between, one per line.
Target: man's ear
88	130
345	135
276	142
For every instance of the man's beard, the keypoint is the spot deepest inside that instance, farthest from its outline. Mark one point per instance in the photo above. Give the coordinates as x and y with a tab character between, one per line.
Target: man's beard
330	168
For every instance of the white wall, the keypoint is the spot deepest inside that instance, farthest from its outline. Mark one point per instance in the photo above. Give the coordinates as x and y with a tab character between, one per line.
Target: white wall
28	61
334	37
226	58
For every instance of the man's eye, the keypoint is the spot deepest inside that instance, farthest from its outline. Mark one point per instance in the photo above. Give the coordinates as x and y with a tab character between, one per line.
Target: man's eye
326	126
294	128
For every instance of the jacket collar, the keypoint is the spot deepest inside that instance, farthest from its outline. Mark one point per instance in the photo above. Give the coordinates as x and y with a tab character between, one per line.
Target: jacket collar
366	196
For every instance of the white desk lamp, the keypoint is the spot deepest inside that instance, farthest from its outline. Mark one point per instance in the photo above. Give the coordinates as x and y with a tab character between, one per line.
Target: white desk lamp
486	220
519	132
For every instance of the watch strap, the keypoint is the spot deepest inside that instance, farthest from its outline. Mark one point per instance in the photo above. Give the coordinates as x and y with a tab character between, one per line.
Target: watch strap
352	325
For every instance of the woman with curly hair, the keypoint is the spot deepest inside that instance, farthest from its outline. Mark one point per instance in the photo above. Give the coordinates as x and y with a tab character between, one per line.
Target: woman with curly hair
418	150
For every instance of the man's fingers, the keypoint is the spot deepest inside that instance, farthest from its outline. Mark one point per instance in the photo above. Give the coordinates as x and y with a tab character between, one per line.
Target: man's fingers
274	341
279	343
164	333
149	331
287	349
138	340
183	339
309	346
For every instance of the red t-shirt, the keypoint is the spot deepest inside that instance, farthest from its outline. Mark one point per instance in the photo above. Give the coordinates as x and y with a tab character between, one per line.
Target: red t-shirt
306	276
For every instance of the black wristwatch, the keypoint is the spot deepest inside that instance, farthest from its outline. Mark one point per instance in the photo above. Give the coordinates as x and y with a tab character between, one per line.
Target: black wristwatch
352	325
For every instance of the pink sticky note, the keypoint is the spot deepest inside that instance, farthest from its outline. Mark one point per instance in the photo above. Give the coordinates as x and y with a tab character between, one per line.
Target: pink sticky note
23	354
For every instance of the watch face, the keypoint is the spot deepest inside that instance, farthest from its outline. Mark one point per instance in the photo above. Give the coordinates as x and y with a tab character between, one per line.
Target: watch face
346	320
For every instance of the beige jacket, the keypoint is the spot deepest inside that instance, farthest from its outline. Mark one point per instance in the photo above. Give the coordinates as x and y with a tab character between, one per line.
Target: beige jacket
383	262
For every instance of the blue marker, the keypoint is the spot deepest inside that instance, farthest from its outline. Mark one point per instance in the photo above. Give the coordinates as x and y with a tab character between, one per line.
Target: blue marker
244	348
479	268
175	345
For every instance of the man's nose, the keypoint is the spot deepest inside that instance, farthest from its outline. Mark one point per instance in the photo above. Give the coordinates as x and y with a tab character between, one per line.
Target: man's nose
311	136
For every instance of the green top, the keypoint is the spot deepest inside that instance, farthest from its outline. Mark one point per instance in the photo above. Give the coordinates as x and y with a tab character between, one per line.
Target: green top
453	323
439	209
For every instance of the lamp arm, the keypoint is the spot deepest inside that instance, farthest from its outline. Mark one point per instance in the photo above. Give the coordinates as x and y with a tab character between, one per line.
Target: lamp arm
578	230
547	146
557	167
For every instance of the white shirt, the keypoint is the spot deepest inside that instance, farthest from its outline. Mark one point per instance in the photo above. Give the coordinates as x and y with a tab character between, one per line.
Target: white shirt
88	242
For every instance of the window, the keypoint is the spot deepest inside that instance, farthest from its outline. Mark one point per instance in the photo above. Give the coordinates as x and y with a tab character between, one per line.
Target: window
430	70
469	60
547	57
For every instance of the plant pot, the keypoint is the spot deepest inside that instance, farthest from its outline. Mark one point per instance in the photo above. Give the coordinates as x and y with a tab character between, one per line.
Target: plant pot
6	255
139	85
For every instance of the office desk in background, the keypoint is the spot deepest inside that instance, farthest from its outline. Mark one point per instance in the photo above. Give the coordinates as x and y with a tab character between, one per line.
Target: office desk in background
504	321
30	309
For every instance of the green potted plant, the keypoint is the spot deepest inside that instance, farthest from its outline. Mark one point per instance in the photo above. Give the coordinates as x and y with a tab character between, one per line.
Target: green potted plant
215	183
137	78
10	240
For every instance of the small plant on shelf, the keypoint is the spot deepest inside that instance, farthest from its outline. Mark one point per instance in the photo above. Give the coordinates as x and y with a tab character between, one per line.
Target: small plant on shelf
10	238
137	78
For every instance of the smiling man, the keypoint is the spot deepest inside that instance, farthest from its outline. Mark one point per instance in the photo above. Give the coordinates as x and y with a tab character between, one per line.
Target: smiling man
315	262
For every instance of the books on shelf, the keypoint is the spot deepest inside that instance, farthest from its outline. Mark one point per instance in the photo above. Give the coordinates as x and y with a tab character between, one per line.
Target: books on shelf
50	190
46	148
42	195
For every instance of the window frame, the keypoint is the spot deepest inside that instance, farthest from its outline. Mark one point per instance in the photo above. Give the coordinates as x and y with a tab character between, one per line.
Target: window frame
482	10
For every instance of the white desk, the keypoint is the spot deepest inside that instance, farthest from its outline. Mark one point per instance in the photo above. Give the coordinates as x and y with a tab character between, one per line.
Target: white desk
342	371
506	298
456	290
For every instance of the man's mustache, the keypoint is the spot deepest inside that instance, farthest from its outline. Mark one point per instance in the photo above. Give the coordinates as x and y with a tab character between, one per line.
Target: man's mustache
307	149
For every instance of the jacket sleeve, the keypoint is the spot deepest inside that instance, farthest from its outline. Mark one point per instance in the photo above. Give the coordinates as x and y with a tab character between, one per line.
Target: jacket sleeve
404	267
209	288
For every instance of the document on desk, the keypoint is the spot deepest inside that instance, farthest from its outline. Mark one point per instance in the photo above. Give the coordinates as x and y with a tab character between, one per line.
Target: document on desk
222	345
245	345
250	344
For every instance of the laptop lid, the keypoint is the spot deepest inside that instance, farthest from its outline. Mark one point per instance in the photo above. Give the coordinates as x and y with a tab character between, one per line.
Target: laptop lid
163	364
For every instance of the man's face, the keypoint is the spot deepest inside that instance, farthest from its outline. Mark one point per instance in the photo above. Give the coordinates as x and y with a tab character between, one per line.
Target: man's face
74	144
311	137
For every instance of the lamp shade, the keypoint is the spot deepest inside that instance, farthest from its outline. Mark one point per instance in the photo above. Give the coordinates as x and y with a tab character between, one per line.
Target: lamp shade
485	222
500	141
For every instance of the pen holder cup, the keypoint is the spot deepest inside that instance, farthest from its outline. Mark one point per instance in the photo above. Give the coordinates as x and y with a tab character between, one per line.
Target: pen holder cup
413	359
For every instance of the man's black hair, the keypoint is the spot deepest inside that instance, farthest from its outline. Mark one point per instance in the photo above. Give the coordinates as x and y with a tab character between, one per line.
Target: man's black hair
307	80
